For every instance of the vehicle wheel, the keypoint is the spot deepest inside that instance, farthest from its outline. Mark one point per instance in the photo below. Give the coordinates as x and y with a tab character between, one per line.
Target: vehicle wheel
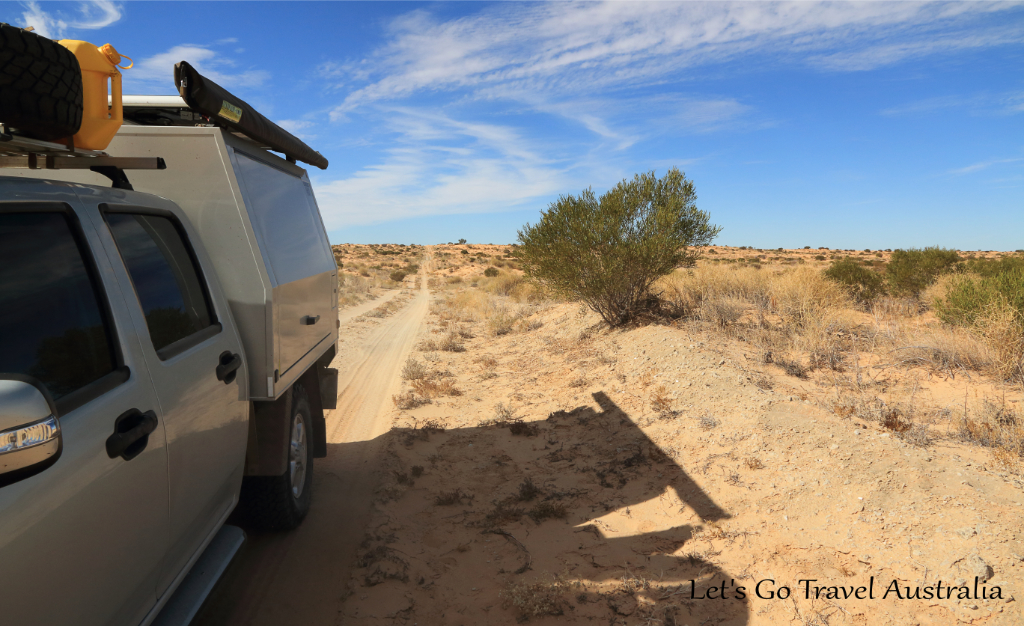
40	85
281	502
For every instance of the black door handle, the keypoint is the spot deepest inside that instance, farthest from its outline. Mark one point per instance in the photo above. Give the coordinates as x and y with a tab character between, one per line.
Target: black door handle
309	320
229	364
131	434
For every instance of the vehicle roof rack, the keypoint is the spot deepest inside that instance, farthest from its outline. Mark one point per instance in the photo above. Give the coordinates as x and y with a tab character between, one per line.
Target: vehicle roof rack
221	107
17	151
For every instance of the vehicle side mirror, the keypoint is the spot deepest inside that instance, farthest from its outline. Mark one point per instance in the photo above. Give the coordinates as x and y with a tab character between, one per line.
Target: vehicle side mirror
30	439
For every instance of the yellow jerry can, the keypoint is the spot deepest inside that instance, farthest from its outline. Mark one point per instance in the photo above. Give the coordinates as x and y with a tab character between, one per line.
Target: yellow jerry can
101	93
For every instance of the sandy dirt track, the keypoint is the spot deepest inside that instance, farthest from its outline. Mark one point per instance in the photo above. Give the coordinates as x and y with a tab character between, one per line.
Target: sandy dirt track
302	577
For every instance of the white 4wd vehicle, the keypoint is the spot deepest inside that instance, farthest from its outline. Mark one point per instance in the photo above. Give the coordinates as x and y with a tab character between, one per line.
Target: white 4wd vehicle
163	358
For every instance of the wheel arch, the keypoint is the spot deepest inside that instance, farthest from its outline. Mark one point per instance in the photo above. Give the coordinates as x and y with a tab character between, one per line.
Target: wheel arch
266	453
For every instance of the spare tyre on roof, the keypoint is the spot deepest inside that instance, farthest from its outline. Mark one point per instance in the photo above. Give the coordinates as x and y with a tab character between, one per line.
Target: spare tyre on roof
40	85
204	96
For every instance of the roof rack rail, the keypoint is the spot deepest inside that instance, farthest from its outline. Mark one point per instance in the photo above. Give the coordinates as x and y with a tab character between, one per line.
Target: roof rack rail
27	153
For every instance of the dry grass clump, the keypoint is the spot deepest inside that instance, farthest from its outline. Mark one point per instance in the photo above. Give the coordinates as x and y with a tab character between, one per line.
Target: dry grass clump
489	364
449	342
434	388
901	414
948	349
996	426
811	314
451	498
388	308
803	296
409	400
996	319
527	490
707	422
660	400
353	288
414	370
536	599
504	413
504	512
548	510
501	321
512	286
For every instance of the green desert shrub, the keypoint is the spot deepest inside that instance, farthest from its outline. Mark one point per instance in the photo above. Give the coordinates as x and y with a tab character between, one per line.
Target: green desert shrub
969	297
994	267
910	271
491	272
397	276
607	252
863	284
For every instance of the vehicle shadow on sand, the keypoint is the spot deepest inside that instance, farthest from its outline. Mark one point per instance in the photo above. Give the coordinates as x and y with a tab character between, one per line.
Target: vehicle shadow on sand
569	519
510	521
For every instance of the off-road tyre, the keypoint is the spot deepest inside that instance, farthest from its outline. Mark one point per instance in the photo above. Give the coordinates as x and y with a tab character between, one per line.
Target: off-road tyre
268	502
40	85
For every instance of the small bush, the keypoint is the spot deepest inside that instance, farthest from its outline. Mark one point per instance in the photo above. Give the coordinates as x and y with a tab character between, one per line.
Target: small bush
992	307
522	429
753	463
864	285
450	498
707	422
397	276
503	513
536	599
547	510
969	297
434	388
413	370
910	271
408	400
527	491
993	267
608	252
491	272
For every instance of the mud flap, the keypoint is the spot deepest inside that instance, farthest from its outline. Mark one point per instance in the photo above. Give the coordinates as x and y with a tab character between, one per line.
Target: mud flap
267	451
311	382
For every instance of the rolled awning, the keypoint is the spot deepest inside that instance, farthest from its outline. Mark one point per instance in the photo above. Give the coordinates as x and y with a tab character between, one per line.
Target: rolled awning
207	97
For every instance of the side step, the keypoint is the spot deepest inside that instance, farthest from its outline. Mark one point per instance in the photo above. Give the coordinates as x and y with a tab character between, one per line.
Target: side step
192	591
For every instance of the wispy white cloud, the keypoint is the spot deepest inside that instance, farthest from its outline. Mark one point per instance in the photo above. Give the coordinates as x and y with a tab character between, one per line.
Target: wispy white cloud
562	49
1007	103
155	74
887	54
303	129
977	167
439	165
56	24
928	105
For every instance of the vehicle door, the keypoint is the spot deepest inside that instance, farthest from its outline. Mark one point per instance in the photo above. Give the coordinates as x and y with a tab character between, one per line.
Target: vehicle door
195	359
81	542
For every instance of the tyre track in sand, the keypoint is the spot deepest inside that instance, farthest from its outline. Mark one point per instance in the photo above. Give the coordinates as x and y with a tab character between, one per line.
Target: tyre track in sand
302	576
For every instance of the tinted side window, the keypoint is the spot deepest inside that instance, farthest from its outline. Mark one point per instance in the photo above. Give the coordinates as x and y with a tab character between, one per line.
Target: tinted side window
51	323
167	282
282	208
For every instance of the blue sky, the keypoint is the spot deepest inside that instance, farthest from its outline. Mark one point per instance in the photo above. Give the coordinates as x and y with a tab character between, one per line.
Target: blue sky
847	125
